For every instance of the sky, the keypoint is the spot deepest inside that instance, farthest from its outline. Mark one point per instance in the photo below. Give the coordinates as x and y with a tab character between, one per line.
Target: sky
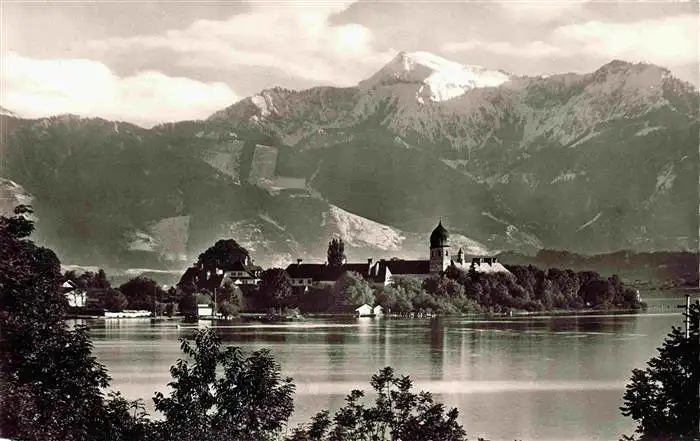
149	62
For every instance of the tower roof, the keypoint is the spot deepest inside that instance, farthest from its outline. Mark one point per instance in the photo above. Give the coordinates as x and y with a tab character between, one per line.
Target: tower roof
439	237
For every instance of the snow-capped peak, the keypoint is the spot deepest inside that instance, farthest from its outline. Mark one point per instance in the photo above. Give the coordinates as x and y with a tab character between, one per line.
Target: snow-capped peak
440	79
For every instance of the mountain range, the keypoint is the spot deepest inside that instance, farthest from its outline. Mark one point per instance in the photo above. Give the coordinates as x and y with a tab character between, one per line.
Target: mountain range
589	163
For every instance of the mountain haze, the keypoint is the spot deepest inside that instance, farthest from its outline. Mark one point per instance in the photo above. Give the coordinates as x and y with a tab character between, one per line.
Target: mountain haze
589	163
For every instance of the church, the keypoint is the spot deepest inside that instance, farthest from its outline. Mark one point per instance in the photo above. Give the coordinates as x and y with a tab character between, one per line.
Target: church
384	272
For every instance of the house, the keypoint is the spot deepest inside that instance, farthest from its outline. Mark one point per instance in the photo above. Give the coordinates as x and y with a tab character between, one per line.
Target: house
204	310
364	311
368	311
77	298
242	273
385	272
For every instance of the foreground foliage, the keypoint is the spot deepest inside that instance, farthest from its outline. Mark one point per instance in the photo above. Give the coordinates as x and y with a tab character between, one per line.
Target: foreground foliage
50	384
663	398
219	394
397	414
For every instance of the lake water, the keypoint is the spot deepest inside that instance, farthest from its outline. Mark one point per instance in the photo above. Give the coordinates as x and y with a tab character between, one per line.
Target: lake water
526	378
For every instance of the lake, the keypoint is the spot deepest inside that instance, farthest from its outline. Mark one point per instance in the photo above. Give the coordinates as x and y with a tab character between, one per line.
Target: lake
527	378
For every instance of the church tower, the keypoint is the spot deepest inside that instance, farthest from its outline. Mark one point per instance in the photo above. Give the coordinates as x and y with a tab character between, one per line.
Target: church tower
439	249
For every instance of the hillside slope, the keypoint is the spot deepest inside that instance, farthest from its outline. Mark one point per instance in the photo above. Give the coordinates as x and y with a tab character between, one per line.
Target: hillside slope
591	163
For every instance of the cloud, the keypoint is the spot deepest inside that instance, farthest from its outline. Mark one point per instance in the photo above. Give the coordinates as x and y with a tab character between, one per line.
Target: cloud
297	39
534	49
541	11
670	41
37	88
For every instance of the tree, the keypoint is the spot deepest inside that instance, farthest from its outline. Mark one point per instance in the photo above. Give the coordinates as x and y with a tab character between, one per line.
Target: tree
663	398
203	298
88	280
443	286
336	252
218	393
397	414
113	300
227	309
229	299
275	288
410	285
597	293
126	420
229	292
587	276
142	293
387	297
188	305
350	291
50	384
316	299
224	254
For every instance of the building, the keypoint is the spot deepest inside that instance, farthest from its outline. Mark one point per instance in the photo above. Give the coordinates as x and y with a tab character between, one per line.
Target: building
368	311
77	298
241	272
204	310
384	272
364	311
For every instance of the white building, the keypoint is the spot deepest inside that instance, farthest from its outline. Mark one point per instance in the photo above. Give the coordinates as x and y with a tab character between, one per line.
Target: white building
385	272
364	311
76	297
204	310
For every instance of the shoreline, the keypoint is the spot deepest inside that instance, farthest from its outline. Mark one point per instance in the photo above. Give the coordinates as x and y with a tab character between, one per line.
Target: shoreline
253	317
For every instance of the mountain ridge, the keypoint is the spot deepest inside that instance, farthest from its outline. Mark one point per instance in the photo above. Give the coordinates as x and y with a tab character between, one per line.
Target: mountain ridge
587	162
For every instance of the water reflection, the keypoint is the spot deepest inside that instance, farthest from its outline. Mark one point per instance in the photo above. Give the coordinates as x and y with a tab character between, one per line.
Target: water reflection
530	378
335	349
437	349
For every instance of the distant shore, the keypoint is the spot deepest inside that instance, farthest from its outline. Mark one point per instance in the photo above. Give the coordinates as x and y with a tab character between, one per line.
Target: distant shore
254	317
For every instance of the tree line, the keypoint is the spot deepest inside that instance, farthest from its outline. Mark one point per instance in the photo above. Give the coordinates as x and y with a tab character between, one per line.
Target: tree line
457	291
673	267
51	385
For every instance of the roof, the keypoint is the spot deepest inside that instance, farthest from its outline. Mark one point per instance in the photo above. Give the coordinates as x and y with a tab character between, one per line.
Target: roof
68	285
439	237
379	273
489	268
365	306
198	276
407	267
315	271
362	268
322	272
484	265
306	270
